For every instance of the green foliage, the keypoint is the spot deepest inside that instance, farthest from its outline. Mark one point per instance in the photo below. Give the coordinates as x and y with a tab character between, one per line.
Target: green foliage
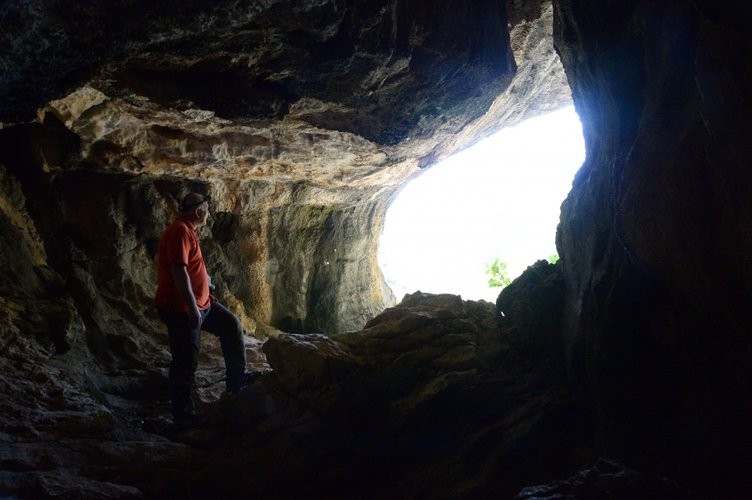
497	274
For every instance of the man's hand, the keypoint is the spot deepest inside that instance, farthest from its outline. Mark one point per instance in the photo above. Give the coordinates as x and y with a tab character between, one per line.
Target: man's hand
194	317
183	285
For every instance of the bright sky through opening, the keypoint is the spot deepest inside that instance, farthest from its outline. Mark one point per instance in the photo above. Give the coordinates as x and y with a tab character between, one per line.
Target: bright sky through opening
499	198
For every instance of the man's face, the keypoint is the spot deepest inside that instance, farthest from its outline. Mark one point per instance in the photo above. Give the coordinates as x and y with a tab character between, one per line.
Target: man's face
202	213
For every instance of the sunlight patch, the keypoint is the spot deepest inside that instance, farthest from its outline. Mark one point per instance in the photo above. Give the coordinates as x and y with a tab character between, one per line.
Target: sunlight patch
500	199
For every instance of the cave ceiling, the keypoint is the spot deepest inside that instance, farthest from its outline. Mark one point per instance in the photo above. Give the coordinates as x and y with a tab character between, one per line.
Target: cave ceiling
301	119
338	93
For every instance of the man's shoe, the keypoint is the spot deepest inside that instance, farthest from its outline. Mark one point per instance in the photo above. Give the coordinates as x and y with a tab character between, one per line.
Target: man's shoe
246	379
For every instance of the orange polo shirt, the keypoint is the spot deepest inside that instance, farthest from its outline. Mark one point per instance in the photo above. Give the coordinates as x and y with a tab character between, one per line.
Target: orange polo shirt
179	245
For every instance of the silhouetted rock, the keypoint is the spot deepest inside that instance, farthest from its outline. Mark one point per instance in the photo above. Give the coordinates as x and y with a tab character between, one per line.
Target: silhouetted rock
605	479
426	388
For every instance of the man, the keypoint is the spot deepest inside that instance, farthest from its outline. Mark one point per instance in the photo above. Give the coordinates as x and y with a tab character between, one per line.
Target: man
186	307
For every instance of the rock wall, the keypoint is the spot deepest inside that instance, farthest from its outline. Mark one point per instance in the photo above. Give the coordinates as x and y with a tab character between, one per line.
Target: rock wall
655	235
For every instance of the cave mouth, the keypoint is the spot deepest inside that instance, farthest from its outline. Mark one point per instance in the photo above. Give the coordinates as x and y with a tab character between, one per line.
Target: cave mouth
499	198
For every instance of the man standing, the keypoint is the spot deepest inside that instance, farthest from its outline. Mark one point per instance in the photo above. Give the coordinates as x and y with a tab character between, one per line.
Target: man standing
186	307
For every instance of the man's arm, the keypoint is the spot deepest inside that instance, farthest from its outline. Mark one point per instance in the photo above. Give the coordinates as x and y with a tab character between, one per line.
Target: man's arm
183	284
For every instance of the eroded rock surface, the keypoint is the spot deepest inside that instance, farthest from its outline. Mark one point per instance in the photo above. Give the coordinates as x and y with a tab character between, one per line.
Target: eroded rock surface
430	398
655	234
426	388
301	120
605	479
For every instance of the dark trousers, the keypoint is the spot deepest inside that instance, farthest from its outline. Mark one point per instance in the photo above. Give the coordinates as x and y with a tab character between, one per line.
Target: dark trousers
185	345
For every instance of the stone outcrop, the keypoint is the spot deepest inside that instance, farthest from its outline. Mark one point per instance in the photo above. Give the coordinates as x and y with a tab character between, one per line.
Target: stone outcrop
406	405
302	120
654	235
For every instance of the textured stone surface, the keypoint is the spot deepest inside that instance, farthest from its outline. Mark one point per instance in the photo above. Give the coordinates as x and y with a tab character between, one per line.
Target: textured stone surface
407	406
302	119
605	479
655	235
369	412
529	312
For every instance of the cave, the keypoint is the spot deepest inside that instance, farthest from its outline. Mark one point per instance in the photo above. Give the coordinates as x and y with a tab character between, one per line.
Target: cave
620	371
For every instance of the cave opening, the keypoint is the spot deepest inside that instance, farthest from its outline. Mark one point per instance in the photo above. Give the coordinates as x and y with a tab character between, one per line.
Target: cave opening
498	199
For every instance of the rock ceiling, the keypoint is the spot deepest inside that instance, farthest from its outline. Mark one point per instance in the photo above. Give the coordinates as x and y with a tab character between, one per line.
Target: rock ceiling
330	108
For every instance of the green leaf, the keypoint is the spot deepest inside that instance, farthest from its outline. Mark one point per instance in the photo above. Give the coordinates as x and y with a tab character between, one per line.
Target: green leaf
497	272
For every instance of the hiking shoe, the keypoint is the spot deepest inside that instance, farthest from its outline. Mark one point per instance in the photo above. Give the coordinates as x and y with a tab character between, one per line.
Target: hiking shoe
246	379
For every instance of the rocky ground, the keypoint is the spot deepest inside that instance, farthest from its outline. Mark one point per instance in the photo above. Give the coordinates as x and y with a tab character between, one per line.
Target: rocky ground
431	397
435	397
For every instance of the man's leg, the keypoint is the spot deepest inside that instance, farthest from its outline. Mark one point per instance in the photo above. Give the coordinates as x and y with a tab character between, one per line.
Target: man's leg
225	325
185	344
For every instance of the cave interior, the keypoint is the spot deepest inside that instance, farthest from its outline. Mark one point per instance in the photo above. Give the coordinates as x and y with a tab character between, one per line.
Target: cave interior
620	371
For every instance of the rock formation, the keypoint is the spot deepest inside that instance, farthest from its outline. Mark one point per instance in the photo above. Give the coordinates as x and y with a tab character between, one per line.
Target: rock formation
302	120
655	232
301	130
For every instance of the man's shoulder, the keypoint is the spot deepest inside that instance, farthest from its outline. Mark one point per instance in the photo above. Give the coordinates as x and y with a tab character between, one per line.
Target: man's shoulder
179	229
179	226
